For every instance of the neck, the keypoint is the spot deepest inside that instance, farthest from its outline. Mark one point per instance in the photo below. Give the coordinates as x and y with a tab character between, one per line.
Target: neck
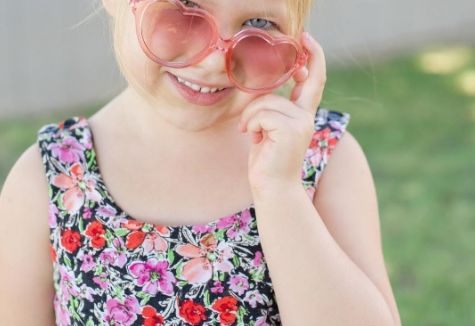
142	120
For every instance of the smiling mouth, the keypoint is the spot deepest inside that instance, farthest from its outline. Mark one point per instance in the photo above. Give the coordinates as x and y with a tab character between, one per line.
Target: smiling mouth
199	88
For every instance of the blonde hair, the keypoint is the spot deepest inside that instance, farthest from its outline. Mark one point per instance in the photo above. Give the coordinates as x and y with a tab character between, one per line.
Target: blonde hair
298	11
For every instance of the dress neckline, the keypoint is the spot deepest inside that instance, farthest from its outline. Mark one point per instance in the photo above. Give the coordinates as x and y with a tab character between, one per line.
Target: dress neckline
121	212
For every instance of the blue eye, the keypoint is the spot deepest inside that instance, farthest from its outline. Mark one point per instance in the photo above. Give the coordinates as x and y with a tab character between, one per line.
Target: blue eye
261	23
187	2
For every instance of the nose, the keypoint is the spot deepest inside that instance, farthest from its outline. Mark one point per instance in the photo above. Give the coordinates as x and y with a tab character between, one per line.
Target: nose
216	59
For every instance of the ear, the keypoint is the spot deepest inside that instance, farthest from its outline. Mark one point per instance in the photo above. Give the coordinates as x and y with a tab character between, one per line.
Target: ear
110	6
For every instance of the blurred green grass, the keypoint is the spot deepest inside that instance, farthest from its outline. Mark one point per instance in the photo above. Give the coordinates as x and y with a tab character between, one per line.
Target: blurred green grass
418	132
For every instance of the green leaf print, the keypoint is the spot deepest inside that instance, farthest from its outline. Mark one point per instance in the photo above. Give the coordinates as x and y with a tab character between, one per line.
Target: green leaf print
206	298
147	228
81	225
181	283
179	269
221	276
240	315
257	276
89	322
248	237
67	261
109	236
73	312
220	234
145	300
98	269
119	293
170	256
236	261
121	232
91	159
50	191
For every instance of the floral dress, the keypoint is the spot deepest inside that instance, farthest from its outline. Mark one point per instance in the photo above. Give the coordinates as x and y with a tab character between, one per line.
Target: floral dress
112	269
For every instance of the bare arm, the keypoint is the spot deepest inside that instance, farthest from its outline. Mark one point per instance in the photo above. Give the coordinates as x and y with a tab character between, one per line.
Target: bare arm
325	257
26	272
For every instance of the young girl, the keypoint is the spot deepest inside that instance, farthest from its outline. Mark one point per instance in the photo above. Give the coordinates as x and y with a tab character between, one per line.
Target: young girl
191	198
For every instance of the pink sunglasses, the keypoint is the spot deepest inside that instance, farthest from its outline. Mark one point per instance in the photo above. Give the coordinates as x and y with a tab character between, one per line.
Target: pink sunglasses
174	35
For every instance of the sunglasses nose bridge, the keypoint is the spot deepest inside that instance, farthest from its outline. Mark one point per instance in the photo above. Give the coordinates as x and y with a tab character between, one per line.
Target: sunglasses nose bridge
223	45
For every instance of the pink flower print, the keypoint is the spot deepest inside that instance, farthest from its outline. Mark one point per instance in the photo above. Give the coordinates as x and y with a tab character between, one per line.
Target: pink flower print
63	317
111	257
153	275
106	211
205	258
87	213
118	313
52	215
315	156
203	228
240	225
257	260
238	283
261	321
78	187
253	297
154	242
67	284
68	151
218	287
87	263
101	280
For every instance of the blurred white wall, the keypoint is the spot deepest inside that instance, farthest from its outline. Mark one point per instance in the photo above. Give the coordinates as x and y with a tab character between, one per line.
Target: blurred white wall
46	63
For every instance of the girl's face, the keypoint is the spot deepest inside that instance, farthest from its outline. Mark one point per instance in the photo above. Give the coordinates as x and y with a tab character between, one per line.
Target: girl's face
157	84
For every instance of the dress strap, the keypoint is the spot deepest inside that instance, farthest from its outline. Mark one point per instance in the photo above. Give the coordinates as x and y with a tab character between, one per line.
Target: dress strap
66	160
330	126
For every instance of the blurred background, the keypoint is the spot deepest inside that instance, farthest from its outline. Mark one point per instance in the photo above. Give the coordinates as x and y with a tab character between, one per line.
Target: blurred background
404	70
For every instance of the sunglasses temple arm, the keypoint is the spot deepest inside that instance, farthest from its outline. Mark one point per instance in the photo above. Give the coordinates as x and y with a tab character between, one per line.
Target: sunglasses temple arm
133	4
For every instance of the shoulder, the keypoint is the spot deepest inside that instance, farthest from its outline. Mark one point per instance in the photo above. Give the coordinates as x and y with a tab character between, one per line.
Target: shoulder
27	174
24	195
346	171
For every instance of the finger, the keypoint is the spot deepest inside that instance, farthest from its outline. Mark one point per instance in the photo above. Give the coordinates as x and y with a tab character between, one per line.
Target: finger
265	122
267	102
296	91
312	90
300	75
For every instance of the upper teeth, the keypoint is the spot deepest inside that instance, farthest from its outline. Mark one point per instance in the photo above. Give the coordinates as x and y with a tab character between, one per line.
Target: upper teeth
199	88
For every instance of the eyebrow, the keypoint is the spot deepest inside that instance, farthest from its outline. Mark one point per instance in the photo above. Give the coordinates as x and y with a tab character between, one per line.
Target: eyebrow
268	11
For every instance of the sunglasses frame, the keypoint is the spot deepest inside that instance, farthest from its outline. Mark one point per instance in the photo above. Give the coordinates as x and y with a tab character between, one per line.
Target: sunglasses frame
216	42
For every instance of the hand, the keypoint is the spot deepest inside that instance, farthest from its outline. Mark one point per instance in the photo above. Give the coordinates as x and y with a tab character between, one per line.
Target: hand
282	128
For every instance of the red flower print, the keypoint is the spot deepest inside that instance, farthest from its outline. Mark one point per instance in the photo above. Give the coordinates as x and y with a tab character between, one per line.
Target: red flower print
193	313
227	307
321	136
152	318
135	239
52	253
95	230
71	240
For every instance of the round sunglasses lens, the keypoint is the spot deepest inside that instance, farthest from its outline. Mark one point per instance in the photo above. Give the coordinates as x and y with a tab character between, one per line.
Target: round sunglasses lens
258	64
172	36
